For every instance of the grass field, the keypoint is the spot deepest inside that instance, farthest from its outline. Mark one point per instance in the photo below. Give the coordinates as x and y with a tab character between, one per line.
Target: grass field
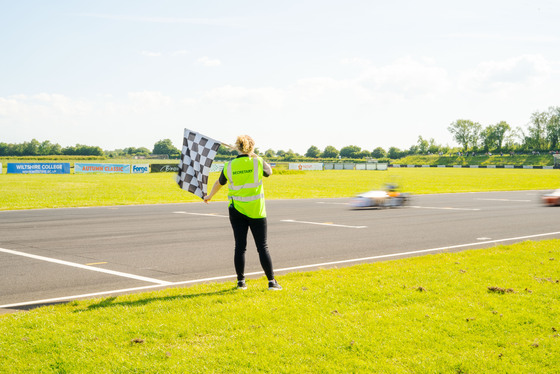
495	310
481	311
74	190
518	160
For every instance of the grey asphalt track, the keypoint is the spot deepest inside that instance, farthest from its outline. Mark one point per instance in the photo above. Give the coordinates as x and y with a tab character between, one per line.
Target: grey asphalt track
59	254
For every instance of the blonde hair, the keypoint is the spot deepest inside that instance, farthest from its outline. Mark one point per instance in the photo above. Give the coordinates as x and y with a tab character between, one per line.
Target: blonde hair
245	144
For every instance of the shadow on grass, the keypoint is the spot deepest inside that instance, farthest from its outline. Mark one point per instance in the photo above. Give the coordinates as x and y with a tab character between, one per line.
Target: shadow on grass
110	301
27	308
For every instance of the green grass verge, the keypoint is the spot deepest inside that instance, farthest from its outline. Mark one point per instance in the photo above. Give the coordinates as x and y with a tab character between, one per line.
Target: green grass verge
78	190
495	310
536	160
517	160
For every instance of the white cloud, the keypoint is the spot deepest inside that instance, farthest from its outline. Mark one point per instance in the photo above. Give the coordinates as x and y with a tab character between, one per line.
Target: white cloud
235	97
505	38
206	61
380	105
48	105
150	54
356	61
181	52
146	101
8	106
322	89
525	70
406	77
231	22
45	116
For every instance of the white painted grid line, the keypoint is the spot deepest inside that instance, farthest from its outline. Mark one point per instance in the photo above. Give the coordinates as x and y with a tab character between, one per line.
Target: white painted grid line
506	200
440	208
323	224
203	214
86	267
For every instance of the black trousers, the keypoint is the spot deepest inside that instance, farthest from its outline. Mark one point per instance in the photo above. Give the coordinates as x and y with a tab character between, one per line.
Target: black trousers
241	224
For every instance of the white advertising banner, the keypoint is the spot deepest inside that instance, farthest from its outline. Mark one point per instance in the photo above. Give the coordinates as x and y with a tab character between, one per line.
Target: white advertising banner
0	168
372	166
101	168
306	166
216	166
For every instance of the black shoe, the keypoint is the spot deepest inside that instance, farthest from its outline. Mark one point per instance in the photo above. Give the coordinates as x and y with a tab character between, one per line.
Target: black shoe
241	285
274	286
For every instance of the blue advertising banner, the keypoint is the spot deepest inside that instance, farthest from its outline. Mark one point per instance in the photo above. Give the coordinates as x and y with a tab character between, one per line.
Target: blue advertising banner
101	168
140	169
39	167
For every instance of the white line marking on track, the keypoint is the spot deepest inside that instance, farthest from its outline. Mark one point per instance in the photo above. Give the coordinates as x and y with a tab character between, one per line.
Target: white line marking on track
95	294
416	206
203	214
323	224
418	251
86	267
508	200
441	208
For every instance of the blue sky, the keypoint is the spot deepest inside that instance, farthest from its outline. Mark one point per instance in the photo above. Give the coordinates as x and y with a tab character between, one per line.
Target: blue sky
289	73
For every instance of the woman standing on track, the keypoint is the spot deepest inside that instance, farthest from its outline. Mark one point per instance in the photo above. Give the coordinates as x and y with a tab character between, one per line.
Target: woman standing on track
247	206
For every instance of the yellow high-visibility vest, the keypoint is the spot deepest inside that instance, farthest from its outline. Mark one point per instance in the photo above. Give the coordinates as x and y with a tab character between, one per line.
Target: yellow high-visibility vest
246	192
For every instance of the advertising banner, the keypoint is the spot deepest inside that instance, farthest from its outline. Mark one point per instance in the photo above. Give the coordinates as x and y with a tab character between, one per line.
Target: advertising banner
0	168
216	166
101	168
39	167
306	166
140	169
371	166
165	168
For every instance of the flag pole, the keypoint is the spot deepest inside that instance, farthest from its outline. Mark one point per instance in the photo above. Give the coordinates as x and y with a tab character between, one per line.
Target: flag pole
229	146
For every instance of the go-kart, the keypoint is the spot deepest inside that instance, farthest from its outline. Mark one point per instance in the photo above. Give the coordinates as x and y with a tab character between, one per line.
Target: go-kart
388	197
551	198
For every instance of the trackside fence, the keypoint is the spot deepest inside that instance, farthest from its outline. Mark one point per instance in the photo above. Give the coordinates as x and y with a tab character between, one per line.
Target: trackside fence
106	168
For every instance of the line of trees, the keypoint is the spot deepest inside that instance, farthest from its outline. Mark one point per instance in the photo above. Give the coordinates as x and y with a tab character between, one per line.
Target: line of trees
46	148
542	135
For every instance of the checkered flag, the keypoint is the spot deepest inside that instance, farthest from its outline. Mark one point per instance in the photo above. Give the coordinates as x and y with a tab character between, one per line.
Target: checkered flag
196	158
